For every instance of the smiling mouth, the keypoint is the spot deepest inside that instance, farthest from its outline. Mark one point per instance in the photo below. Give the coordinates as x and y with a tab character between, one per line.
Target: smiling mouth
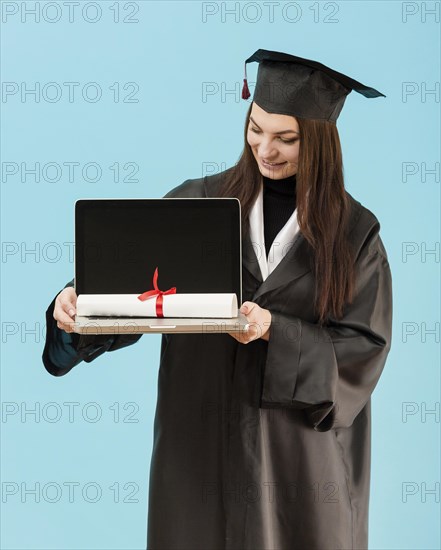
272	163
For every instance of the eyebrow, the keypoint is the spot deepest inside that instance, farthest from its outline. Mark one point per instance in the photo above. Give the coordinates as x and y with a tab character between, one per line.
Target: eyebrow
277	133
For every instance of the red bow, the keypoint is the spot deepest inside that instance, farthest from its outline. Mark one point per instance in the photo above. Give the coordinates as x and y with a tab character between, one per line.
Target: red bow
159	293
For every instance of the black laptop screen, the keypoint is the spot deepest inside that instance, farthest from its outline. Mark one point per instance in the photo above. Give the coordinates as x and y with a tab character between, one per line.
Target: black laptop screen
194	243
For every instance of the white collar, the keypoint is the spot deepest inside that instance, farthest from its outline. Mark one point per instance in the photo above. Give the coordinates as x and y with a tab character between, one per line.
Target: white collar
281	244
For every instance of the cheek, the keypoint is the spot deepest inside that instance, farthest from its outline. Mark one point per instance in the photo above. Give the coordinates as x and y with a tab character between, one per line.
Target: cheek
253	139
294	154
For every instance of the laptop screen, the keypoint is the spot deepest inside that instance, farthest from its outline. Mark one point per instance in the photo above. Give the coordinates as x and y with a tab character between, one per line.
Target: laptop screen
194	243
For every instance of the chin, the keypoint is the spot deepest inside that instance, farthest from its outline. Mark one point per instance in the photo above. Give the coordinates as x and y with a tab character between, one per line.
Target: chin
275	175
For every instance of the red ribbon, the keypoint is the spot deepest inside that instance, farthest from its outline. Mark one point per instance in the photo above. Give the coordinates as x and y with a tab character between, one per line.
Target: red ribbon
159	293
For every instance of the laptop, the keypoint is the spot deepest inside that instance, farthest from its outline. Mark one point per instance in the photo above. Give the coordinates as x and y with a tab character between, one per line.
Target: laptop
194	243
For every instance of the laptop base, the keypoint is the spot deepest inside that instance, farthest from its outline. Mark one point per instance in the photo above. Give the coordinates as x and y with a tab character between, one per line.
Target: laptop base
145	325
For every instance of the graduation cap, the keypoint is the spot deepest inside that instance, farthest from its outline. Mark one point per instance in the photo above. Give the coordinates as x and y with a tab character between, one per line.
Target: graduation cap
291	85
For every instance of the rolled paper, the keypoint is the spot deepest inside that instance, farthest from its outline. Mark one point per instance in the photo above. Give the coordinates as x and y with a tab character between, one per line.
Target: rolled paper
158	293
214	305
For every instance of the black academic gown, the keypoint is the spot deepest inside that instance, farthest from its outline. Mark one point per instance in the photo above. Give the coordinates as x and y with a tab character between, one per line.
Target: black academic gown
264	445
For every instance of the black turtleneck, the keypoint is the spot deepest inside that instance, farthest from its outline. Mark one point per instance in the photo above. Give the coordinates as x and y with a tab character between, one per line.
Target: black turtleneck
279	202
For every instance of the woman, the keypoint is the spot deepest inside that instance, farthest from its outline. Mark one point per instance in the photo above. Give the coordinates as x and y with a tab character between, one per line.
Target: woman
262	439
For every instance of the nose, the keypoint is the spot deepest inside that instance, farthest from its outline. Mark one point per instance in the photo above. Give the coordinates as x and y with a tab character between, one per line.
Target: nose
266	149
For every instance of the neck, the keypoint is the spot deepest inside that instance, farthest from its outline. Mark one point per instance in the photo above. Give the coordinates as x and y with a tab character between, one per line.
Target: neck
284	186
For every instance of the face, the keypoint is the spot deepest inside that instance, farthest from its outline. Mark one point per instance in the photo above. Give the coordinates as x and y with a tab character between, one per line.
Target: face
275	142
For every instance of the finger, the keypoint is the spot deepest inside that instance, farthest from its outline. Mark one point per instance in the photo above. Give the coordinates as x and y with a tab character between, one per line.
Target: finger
61	316
247	307
239	336
254	314
245	337
67	327
66	320
254	330
68	305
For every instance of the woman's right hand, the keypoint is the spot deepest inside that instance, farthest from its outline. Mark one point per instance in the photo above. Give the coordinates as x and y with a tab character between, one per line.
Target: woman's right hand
65	309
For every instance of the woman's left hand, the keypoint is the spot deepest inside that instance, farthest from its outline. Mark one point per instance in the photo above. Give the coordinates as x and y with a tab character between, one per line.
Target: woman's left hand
259	320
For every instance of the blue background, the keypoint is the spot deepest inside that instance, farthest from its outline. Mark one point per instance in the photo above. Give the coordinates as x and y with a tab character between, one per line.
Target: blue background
171	133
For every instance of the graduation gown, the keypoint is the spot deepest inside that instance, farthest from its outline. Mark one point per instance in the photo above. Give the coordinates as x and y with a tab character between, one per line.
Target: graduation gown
264	445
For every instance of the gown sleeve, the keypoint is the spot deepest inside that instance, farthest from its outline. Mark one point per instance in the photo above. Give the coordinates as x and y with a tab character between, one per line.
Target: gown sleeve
63	351
331	371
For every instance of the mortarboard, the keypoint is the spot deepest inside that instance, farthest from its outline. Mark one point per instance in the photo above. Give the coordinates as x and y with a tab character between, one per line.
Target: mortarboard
291	85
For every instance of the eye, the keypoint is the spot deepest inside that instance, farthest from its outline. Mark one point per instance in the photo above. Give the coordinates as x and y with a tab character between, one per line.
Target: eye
288	140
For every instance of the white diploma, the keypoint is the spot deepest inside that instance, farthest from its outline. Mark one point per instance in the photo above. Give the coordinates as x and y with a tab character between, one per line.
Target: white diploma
174	305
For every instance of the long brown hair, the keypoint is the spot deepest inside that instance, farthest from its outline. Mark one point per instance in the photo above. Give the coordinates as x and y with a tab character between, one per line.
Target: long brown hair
322	209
